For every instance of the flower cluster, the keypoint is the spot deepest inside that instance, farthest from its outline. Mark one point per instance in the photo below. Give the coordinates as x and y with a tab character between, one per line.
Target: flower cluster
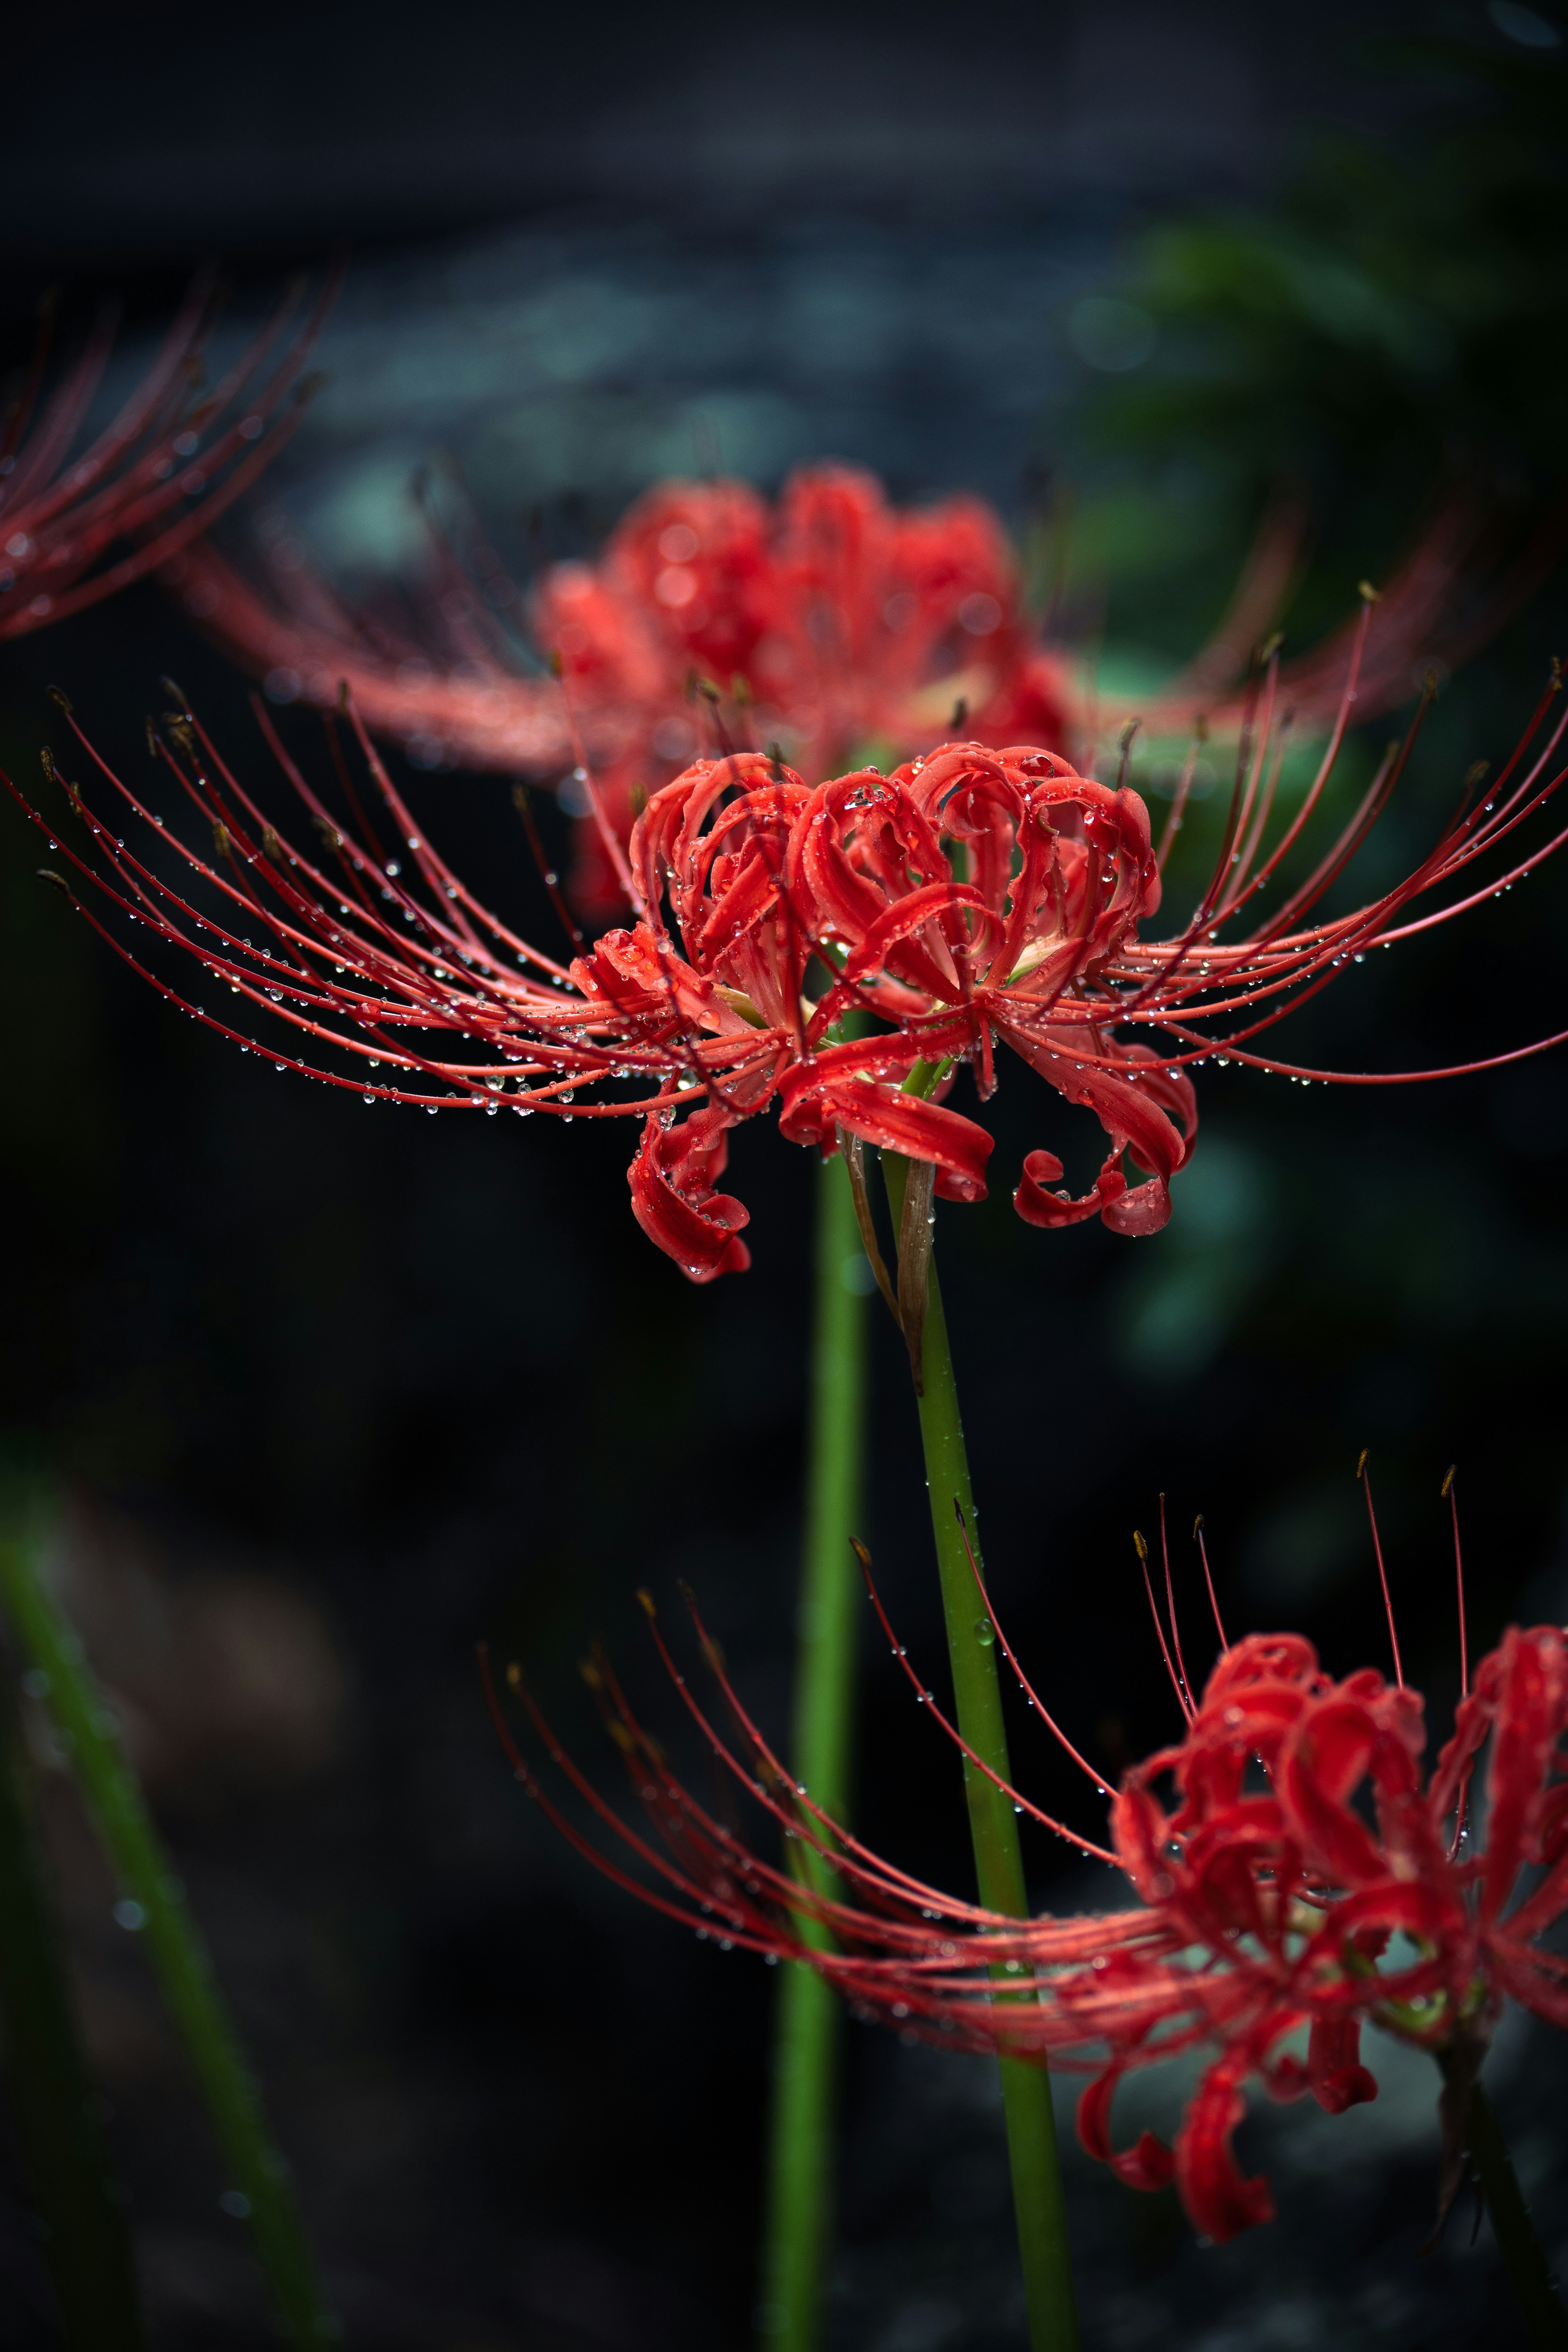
829	622
1301	1877
157	475
763	876
836	953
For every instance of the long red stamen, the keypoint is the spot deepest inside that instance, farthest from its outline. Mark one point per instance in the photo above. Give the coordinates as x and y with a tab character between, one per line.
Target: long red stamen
1171	1608
1177	1685
1202	1542
1451	1490
1361	1472
609	838
1025	1684
927	1699
836	1843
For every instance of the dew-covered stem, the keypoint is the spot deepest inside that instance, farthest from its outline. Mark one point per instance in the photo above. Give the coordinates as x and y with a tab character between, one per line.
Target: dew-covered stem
993	1828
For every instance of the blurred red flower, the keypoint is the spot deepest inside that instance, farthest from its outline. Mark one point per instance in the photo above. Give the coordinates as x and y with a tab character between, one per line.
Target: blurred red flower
1301	1878
968	896
830	622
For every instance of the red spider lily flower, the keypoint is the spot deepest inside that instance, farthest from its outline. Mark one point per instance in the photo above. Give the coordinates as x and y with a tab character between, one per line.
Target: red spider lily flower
970	897
1301	1878
827	622
976	895
164	469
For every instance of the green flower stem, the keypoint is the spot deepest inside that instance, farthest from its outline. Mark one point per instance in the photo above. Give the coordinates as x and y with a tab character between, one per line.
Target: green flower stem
993	1828
179	1956
1529	2274
57	2125
798	2225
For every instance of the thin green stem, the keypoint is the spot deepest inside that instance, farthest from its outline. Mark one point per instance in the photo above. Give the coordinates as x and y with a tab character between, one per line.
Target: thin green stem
993	1825
1524	2259
59	2127
798	2226
153	1900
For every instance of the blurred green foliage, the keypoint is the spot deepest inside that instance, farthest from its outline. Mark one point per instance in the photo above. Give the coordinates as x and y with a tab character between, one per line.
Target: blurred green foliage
1394	322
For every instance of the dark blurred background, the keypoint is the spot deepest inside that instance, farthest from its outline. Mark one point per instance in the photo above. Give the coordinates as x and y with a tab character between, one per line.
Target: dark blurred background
330	1394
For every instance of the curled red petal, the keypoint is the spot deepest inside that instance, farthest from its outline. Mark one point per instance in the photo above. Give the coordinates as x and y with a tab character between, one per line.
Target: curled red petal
811	1106
1220	2200
674	1202
1141	1209
1147	2164
1347	2086
1135	1112
1338	2078
1039	1205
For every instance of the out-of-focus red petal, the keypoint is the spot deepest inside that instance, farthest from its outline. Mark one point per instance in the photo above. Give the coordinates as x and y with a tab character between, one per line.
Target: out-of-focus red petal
1219	2200
1338	2078
1147	2164
1337	1742
1530	1719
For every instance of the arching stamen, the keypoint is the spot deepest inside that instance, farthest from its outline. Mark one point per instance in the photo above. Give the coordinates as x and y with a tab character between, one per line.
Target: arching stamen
1171	1608
1382	1571
1183	1701
1025	1684
696	1894
1461	1810
608	837
1021	1802
1202	1542
836	1845
1452	1493
1183	787
1251	845
547	873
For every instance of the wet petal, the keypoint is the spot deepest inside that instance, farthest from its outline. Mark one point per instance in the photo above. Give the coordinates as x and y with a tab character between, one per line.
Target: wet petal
812	1108
674	1202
